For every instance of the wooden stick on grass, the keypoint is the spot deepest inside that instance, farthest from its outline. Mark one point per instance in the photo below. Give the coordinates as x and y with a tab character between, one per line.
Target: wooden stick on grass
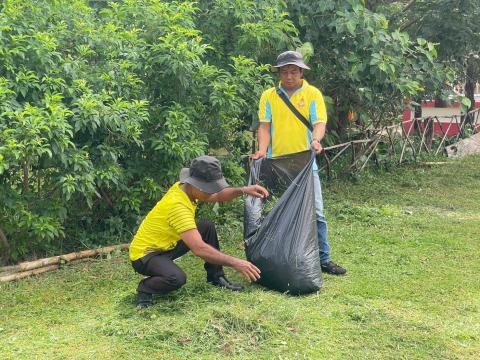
25	274
29	268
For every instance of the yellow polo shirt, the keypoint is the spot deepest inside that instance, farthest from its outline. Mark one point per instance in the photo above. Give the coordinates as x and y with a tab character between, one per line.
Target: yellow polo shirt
288	134
161	228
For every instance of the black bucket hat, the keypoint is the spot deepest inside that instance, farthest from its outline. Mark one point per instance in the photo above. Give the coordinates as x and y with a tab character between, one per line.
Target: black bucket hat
205	173
289	58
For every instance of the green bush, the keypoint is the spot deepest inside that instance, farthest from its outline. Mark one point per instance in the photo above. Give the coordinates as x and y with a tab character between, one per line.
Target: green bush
101	105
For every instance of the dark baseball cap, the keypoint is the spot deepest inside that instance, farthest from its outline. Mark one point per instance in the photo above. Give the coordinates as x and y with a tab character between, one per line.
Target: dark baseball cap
204	173
289	58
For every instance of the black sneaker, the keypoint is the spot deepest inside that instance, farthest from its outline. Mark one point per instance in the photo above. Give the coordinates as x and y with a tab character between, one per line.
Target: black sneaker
332	268
144	300
223	282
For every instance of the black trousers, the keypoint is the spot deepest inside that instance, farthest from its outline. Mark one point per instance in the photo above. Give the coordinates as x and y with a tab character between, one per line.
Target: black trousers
164	275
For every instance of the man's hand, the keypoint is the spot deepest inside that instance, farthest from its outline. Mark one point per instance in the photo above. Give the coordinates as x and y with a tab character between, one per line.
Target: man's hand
228	194
256	191
193	240
263	141
247	269
259	154
316	146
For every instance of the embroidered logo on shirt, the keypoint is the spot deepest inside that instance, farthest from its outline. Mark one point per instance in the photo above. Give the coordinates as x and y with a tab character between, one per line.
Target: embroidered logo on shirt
301	104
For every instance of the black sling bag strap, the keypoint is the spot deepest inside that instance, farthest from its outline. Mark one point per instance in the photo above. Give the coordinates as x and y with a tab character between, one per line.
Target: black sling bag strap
294	109
297	113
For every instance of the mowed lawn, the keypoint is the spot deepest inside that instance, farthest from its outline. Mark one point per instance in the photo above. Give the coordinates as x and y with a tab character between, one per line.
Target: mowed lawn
410	239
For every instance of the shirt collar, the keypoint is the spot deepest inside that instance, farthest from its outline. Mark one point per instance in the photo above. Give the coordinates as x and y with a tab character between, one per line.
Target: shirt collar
304	86
177	185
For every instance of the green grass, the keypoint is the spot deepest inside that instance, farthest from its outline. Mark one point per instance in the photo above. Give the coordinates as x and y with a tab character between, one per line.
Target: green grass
410	241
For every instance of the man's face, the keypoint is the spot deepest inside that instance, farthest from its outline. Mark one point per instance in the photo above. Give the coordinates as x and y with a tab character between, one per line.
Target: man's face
291	77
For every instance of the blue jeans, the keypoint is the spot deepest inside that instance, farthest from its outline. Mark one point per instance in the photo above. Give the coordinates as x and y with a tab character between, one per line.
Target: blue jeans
322	230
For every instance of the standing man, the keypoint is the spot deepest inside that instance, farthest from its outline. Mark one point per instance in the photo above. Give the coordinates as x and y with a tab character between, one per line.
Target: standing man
169	231
281	132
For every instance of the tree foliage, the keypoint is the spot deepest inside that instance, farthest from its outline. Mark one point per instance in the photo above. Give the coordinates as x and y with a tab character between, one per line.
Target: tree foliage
101	104
454	25
361	62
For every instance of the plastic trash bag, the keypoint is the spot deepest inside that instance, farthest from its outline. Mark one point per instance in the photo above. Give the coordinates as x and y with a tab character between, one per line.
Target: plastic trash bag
283	243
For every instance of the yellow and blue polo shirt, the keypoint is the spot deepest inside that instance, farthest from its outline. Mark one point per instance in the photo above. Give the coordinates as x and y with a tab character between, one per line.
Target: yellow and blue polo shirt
287	133
161	228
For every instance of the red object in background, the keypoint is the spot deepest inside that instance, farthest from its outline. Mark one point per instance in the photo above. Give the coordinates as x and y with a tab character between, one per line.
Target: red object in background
439	128
456	104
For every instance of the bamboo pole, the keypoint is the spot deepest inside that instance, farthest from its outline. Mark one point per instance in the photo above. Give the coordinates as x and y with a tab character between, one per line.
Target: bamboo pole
25	274
373	141
373	147
56	261
30	265
423	143
392	142
444	136
363	141
327	163
406	135
341	152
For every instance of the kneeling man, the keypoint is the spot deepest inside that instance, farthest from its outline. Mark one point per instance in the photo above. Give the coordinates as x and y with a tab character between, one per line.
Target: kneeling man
169	231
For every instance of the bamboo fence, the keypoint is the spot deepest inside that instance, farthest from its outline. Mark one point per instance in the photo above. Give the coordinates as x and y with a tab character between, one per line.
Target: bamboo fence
417	135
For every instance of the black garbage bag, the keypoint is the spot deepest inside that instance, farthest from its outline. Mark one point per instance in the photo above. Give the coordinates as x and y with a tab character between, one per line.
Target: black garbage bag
283	243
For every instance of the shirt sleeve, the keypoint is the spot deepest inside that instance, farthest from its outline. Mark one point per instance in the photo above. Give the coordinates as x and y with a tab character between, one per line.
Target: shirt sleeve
181	218
318	111
265	110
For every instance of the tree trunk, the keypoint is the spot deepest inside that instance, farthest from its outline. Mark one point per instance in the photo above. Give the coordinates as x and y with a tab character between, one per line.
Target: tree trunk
428	128
26	176
470	82
5	246
3	239
340	125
